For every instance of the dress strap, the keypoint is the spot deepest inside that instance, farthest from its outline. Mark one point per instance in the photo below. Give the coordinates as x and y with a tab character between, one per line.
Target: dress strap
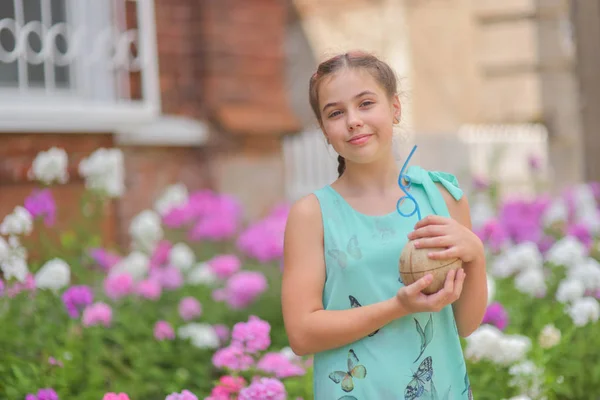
427	179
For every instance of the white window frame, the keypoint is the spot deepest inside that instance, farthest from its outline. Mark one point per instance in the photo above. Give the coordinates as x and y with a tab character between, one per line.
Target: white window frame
52	110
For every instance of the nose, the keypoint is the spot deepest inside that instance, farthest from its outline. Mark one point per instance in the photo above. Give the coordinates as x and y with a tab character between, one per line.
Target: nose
353	121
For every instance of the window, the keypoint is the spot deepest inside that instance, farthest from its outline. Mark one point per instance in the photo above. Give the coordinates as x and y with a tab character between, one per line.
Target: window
22	60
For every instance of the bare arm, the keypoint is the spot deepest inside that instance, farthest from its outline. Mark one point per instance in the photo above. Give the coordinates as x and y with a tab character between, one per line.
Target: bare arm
470	308
309	327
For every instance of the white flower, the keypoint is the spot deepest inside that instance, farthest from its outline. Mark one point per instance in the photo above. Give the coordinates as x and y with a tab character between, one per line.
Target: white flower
481	212
145	230
584	310
588	273
136	264
526	367
590	218
4	249
549	336
104	171
520	397
584	196
201	335
14	262
567	252
532	282
517	258
174	196
489	343
182	256
49	166
491	284
557	212
20	222
570	290
202	274
54	274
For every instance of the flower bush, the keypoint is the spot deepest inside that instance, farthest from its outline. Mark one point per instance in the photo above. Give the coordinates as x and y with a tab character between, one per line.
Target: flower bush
161	319
191	309
539	337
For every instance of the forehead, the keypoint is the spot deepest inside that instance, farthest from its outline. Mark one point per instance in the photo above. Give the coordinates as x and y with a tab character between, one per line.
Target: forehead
345	84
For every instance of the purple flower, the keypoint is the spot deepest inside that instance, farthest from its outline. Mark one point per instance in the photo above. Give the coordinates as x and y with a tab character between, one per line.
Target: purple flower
493	234
76	298
1	287
522	219
582	233
41	204
263	240
496	315
43	394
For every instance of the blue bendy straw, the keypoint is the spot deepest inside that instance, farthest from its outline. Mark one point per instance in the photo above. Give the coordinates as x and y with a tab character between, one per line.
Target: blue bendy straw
405	189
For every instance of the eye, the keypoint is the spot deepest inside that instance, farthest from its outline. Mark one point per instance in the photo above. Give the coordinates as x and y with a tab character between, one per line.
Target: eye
366	103
334	114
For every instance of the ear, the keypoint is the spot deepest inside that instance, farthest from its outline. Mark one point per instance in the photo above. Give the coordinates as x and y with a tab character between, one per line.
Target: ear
396	107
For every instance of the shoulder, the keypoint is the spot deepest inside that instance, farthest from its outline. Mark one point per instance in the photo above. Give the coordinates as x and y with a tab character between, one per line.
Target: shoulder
306	211
458	208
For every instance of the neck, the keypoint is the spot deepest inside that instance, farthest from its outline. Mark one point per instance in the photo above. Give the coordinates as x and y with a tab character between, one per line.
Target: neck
378	177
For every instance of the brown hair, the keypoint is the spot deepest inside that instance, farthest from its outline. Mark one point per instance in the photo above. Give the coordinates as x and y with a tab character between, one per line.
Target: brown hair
382	73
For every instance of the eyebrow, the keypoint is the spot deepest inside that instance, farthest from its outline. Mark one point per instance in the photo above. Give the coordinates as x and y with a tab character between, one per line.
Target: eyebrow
355	97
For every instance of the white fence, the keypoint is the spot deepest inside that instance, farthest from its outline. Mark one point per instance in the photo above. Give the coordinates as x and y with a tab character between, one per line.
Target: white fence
472	151
77	64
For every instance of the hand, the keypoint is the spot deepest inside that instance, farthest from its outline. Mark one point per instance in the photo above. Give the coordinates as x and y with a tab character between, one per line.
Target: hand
458	240
413	300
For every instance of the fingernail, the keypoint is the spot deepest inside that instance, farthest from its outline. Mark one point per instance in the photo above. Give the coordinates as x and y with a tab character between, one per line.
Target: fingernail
416	244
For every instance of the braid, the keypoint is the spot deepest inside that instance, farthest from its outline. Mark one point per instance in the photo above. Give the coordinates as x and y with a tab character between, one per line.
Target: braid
341	165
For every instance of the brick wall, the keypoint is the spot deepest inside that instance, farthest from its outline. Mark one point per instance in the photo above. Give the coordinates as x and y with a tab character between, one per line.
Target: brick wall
222	62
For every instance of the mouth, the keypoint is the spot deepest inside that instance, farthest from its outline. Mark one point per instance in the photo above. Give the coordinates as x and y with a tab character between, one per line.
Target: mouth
359	139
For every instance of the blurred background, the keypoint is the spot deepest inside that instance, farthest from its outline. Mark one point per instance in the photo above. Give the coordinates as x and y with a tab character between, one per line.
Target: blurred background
149	151
214	93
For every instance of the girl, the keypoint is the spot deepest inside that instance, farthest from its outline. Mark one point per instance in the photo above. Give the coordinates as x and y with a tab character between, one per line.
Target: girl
373	337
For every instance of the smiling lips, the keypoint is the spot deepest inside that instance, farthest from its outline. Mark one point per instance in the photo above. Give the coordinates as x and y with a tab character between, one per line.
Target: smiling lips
359	139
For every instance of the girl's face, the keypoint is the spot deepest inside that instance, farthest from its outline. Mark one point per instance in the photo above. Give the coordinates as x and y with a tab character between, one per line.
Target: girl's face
357	115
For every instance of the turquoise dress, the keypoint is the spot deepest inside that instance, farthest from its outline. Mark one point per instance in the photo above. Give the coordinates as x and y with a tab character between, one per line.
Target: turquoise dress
415	357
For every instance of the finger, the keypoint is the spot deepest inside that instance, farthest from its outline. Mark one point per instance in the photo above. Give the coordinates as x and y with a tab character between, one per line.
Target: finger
431	220
433	242
441	296
427	231
450	253
420	284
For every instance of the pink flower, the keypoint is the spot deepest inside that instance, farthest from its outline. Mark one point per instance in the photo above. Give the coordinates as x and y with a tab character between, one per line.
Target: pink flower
227	387
105	259
222	332
163	331
253	336
118	286
264	389
225	265
160	254
214	228
264	240
242	289
279	365
54	361
189	308
149	289
233	358
170	278
41	204
185	395
97	313
115	396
